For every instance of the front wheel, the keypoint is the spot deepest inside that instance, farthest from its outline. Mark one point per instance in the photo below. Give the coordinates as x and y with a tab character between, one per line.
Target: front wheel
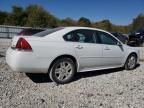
131	62
62	71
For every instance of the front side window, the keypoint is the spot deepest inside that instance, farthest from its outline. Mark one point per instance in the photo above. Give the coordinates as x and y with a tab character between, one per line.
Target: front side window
107	39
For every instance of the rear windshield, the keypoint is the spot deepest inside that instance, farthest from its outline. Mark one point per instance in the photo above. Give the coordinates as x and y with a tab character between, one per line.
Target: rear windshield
28	32
48	31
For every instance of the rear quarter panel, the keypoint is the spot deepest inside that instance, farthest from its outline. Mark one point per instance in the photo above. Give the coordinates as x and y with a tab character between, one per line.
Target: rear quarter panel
49	50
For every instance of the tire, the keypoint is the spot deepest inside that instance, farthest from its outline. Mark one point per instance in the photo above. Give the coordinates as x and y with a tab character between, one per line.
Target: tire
62	71
131	62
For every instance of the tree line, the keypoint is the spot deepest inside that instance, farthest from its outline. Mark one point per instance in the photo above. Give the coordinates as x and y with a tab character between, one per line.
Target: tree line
36	16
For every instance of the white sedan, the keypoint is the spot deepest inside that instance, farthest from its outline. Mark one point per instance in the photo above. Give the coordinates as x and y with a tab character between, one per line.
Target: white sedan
61	52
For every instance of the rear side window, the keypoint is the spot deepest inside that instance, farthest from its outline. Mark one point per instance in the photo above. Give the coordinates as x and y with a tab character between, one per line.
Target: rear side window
70	37
48	31
83	36
107	39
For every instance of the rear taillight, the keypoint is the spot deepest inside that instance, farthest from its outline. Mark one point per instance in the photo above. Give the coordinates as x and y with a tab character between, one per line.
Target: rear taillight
22	44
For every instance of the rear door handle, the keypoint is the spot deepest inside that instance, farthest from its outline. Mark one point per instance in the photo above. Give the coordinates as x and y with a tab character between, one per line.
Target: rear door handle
79	47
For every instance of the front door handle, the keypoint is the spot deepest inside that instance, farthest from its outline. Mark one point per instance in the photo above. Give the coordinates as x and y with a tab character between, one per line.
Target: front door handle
107	48
79	47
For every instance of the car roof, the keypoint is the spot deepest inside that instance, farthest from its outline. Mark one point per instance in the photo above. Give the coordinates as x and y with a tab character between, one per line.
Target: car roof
74	27
89	28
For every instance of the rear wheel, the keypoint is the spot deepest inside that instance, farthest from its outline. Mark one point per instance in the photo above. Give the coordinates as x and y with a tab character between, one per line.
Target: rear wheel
131	62
62	71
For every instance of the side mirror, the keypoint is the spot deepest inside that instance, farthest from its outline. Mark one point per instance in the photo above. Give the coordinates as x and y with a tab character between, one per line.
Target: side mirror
119	43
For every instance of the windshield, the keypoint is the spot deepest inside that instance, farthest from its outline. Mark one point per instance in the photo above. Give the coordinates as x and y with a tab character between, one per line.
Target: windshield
48	31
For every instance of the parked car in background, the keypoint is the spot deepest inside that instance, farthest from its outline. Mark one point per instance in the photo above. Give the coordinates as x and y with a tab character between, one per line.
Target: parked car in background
29	32
61	52
121	37
136	38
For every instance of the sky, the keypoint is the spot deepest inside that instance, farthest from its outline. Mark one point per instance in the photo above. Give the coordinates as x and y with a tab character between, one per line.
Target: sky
119	12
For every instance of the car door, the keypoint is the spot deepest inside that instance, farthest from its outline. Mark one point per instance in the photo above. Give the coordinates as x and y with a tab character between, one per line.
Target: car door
112	52
87	49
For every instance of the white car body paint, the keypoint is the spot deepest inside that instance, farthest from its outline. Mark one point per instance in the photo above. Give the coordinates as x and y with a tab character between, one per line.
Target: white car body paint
46	49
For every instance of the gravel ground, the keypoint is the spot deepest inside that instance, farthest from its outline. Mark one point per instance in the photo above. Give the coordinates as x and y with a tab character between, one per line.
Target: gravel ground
115	88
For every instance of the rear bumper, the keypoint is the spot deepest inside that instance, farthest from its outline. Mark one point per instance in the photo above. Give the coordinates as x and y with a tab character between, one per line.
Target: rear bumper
22	61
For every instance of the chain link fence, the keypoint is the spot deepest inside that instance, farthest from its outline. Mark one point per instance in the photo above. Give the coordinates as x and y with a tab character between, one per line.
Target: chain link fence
10	31
6	34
